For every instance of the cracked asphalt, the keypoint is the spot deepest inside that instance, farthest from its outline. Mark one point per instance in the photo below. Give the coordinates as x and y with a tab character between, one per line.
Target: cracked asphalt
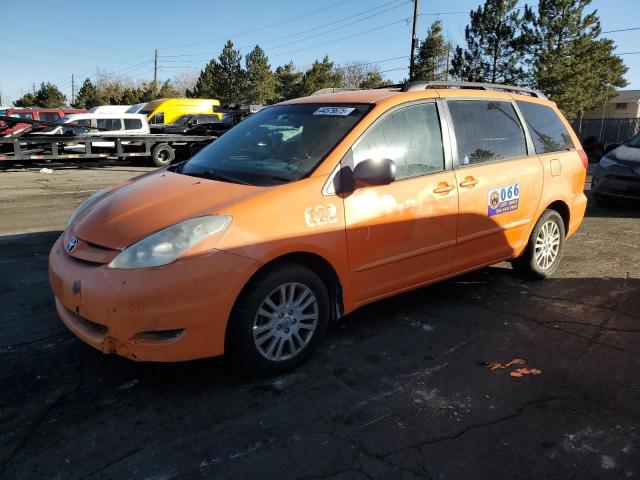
399	389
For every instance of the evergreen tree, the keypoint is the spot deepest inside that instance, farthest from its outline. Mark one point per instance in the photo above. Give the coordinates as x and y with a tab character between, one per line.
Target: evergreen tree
431	62
27	100
231	76
223	79
287	82
47	96
373	79
87	96
320	75
570	63
206	86
261	82
495	47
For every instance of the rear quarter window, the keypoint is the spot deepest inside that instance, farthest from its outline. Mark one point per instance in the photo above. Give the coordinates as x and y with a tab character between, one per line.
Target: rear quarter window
547	131
132	124
486	131
49	116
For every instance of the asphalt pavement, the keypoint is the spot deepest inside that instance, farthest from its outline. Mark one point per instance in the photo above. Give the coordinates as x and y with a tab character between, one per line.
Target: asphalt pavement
411	387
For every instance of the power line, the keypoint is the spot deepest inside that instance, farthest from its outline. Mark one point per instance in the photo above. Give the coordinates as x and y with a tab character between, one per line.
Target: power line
622	30
628	53
403	20
265	27
404	2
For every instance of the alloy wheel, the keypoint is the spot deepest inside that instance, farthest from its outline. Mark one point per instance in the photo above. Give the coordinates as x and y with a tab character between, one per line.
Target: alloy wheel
285	322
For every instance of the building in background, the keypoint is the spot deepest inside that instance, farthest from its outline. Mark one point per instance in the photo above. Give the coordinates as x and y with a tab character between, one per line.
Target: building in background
614	122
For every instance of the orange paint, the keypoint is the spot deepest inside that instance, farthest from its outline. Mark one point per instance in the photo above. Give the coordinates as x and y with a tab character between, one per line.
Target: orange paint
379	240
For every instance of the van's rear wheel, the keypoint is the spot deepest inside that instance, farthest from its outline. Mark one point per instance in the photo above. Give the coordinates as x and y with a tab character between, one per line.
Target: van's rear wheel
162	155
544	249
279	319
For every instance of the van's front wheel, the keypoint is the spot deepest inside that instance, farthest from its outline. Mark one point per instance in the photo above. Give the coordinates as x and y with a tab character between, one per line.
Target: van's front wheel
279	319
544	249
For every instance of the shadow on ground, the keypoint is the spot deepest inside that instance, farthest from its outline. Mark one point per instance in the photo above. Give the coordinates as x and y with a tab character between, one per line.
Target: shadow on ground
400	389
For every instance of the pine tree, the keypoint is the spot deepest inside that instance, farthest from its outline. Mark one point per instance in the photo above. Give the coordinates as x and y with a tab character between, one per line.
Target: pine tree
87	96
47	96
287	82
320	75
206	86
27	100
570	63
231	77
494	49
431	62
261	82
373	79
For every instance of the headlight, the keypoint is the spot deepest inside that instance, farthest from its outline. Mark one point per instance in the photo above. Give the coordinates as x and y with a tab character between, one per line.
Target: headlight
88	201
607	162
191	236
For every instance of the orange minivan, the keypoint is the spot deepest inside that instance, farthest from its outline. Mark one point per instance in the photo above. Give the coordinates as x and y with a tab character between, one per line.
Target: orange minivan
312	208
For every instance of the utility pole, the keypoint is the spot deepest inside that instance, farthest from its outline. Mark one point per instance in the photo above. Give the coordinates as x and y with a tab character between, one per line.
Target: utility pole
446	72
414	39
73	89
155	67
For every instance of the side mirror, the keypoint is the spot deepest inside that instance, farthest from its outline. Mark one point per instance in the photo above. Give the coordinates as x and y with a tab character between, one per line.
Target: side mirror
369	173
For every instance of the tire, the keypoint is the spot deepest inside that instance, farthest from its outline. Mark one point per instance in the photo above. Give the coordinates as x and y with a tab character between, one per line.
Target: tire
162	155
286	338
539	262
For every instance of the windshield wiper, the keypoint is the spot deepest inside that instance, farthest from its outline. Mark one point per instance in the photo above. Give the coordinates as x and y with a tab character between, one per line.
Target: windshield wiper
215	175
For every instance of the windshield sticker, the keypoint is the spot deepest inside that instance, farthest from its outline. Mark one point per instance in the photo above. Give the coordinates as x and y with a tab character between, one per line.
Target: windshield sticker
504	199
335	111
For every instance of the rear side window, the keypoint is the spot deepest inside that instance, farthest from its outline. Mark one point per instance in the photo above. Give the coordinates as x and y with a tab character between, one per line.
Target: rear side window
132	124
410	137
486	131
547	131
49	116
28	116
109	124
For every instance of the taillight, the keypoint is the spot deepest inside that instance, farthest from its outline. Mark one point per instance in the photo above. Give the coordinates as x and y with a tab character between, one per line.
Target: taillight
584	158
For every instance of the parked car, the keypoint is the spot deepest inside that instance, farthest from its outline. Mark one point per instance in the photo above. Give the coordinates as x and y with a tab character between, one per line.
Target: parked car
312	208
617	175
110	109
184	123
97	125
44	114
167	110
136	108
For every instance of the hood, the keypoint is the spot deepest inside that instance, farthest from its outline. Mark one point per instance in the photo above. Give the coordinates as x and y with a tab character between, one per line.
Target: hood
625	155
153	202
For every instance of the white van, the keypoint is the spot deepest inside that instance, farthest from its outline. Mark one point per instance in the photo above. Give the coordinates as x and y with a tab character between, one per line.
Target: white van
98	125
110	109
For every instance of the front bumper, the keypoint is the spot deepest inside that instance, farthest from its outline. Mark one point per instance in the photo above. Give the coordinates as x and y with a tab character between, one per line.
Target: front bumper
616	181
171	313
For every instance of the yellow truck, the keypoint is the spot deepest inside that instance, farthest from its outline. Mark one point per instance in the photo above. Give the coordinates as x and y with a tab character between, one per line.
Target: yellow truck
166	110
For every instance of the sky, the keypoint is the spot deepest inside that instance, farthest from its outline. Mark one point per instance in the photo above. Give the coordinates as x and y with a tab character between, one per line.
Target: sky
119	38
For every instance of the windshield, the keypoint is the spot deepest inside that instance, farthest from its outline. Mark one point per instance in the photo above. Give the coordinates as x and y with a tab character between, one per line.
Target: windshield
635	141
182	120
279	144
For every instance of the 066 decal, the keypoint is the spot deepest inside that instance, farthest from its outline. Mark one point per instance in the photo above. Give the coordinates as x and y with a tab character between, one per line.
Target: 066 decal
503	199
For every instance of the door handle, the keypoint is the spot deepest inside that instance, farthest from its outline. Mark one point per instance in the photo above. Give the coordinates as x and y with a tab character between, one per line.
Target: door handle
469	182
443	187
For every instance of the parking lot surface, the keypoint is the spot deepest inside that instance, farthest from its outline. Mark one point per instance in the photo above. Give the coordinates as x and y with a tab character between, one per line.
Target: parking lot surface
400	389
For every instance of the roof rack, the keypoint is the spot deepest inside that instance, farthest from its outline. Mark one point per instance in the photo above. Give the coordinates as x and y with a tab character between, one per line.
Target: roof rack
413	86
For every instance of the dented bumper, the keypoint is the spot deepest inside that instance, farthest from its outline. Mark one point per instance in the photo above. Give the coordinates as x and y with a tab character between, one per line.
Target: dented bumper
171	313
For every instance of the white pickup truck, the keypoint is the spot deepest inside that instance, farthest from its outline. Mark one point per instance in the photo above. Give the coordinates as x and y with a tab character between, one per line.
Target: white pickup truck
99	124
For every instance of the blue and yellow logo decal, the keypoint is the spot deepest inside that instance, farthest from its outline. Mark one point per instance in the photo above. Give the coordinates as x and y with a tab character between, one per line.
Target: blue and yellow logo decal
503	199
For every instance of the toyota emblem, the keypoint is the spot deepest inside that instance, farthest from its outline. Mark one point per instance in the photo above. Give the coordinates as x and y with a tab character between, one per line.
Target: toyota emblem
73	243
